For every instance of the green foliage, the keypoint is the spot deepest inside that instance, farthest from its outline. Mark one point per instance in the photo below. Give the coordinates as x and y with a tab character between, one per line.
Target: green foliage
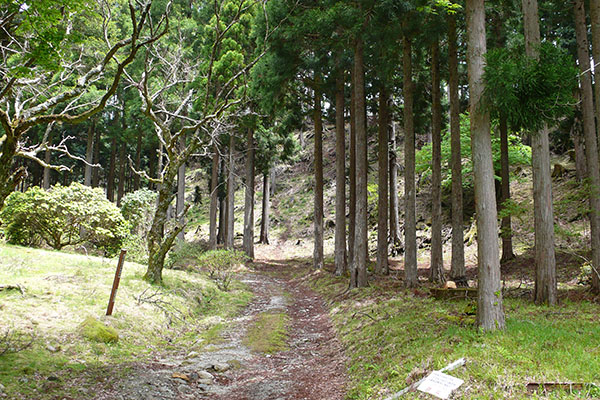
137	209
62	216
518	153
219	265
184	254
529	92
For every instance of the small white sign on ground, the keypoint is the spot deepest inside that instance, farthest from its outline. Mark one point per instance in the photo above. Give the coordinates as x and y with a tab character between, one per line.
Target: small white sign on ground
439	384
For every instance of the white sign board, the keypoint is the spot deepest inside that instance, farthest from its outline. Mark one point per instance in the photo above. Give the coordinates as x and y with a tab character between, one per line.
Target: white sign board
439	384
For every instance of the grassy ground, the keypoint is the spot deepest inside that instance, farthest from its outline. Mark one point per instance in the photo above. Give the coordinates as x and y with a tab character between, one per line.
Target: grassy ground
61	290
393	336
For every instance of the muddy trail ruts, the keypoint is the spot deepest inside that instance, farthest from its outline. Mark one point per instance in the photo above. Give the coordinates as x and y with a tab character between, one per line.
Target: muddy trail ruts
312	367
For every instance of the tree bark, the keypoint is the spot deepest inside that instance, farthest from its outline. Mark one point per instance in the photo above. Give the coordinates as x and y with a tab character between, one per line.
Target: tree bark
138	160
437	262
393	167
591	143
230	195
595	24
110	181
340	175
318	160
96	159
122	166
382	189
545	261
222	204
360	234
214	199
410	200
579	148
457	268
180	200
89	153
159	243
249	197
47	159
264	224
490	313
506	227
352	180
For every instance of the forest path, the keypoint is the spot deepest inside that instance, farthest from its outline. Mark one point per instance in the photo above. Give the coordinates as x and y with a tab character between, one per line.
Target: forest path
311	365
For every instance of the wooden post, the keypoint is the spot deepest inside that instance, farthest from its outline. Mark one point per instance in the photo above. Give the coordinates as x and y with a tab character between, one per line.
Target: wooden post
115	286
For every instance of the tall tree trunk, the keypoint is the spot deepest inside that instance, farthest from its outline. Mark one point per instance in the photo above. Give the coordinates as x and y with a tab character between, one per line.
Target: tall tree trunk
230	195
393	167
490	312
506	227
382	190
545	261
47	158
437	262
46	178
579	149
222	205
266	203
138	160
110	180
393	190
318	200
591	143
249	197
352	180
122	166
360	234
96	160
457	268
214	199
159	243
89	154
410	199
595	23
152	166
340	174
180	200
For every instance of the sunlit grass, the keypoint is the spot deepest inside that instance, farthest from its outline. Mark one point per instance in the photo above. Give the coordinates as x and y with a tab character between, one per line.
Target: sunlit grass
62	289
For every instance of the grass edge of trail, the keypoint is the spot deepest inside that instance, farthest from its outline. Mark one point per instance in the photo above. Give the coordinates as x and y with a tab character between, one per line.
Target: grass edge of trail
393	337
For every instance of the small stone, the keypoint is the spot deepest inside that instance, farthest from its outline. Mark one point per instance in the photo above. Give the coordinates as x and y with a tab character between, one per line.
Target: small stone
204	387
192	354
2	387
51	348
183	388
220	367
23	379
205	375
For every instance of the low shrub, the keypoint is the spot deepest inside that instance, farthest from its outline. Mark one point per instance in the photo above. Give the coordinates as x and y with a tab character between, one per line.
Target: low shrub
63	216
219	265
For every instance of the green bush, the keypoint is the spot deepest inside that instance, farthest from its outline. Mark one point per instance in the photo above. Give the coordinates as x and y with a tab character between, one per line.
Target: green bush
63	216
219	265
184	255
138	209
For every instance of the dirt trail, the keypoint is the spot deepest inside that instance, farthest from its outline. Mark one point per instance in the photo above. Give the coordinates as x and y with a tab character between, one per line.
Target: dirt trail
313	366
